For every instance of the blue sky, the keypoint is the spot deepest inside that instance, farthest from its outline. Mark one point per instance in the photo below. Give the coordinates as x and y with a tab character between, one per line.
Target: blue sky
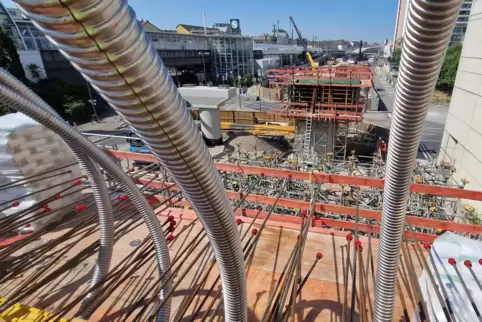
368	20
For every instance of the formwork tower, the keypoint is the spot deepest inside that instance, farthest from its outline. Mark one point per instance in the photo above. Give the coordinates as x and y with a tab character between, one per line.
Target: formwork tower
324	102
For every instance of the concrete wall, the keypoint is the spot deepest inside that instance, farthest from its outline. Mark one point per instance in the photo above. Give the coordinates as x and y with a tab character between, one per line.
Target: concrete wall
462	139
322	136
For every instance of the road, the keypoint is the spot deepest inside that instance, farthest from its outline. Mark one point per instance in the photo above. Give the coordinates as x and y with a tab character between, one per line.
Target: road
434	123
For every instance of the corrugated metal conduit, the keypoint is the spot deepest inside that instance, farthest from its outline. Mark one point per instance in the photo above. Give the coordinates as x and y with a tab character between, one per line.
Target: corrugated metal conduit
104	41
429	28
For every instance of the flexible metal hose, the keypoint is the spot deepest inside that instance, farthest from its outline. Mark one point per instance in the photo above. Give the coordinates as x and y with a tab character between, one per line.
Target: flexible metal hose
86	147
104	41
429	28
99	190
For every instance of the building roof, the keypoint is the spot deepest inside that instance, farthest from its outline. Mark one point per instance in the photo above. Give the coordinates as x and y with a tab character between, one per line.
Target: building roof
195	29
148	26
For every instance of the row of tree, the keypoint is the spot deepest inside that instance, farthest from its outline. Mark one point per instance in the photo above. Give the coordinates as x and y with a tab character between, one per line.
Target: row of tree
71	102
446	79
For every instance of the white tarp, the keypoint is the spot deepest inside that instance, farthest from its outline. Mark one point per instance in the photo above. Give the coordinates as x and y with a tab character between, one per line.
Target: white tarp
460	248
28	149
9	171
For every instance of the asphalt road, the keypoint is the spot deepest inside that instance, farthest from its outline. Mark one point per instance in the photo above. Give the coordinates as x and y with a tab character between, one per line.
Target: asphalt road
434	123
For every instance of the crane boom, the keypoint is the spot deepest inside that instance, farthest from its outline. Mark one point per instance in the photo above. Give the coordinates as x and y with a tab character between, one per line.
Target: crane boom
305	44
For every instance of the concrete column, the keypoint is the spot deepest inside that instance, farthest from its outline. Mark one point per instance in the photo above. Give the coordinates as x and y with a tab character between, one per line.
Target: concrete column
211	126
330	135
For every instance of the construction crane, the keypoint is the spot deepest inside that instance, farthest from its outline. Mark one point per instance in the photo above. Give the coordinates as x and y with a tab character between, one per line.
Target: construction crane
305	44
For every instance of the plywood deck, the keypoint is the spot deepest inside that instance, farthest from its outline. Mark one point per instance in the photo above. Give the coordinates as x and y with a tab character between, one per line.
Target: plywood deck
320	300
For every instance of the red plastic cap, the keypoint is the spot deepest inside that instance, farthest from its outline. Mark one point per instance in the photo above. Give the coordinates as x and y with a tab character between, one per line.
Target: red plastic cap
77	182
122	197
319	255
480	261
349	237
173	223
69	171
427	246
170	237
290	176
15	204
80	207
452	261
29	232
57	197
132	170
303	213
170	218
260	208
467	263
254	231
171	228
262	174
239	221
47	210
151	201
28	225
45	206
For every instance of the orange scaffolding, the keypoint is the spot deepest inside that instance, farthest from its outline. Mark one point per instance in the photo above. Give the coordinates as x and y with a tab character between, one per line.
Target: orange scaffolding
327	92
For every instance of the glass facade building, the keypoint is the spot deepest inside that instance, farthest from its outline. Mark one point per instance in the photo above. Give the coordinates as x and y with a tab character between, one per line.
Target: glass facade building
174	41
462	22
7	23
232	56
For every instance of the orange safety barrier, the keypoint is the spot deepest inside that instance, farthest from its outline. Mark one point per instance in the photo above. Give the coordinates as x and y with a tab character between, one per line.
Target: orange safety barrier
320	177
336	209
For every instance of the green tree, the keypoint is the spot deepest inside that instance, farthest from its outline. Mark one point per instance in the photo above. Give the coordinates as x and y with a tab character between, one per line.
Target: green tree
396	56
35	71
446	79
9	60
75	108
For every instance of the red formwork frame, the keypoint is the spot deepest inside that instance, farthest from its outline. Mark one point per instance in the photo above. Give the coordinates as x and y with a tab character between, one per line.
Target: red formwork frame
356	75
332	208
321	177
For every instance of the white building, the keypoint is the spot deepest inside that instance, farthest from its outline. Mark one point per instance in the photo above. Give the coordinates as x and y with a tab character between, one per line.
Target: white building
462	139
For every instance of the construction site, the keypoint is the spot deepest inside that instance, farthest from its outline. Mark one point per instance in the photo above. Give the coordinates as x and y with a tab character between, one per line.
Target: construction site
296	213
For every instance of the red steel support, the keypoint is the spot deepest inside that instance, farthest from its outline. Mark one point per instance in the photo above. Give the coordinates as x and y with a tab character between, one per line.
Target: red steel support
320	177
337	209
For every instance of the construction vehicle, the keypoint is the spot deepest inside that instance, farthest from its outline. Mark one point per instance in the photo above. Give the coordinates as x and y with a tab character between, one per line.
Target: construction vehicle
304	43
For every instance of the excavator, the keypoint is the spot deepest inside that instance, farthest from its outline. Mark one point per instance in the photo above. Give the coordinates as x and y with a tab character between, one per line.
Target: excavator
305	45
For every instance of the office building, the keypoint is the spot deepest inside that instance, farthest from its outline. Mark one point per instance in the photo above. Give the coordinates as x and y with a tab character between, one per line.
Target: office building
459	29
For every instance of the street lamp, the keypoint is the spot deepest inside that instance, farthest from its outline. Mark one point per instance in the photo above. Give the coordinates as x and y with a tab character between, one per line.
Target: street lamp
204	64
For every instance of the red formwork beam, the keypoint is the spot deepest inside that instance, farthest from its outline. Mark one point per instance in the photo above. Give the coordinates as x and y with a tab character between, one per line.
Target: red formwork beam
336	209
319	225
321	114
320	177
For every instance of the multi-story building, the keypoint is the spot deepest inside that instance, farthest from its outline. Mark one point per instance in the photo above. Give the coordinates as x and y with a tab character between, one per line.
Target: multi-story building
400	21
461	142
462	21
28	40
459	30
